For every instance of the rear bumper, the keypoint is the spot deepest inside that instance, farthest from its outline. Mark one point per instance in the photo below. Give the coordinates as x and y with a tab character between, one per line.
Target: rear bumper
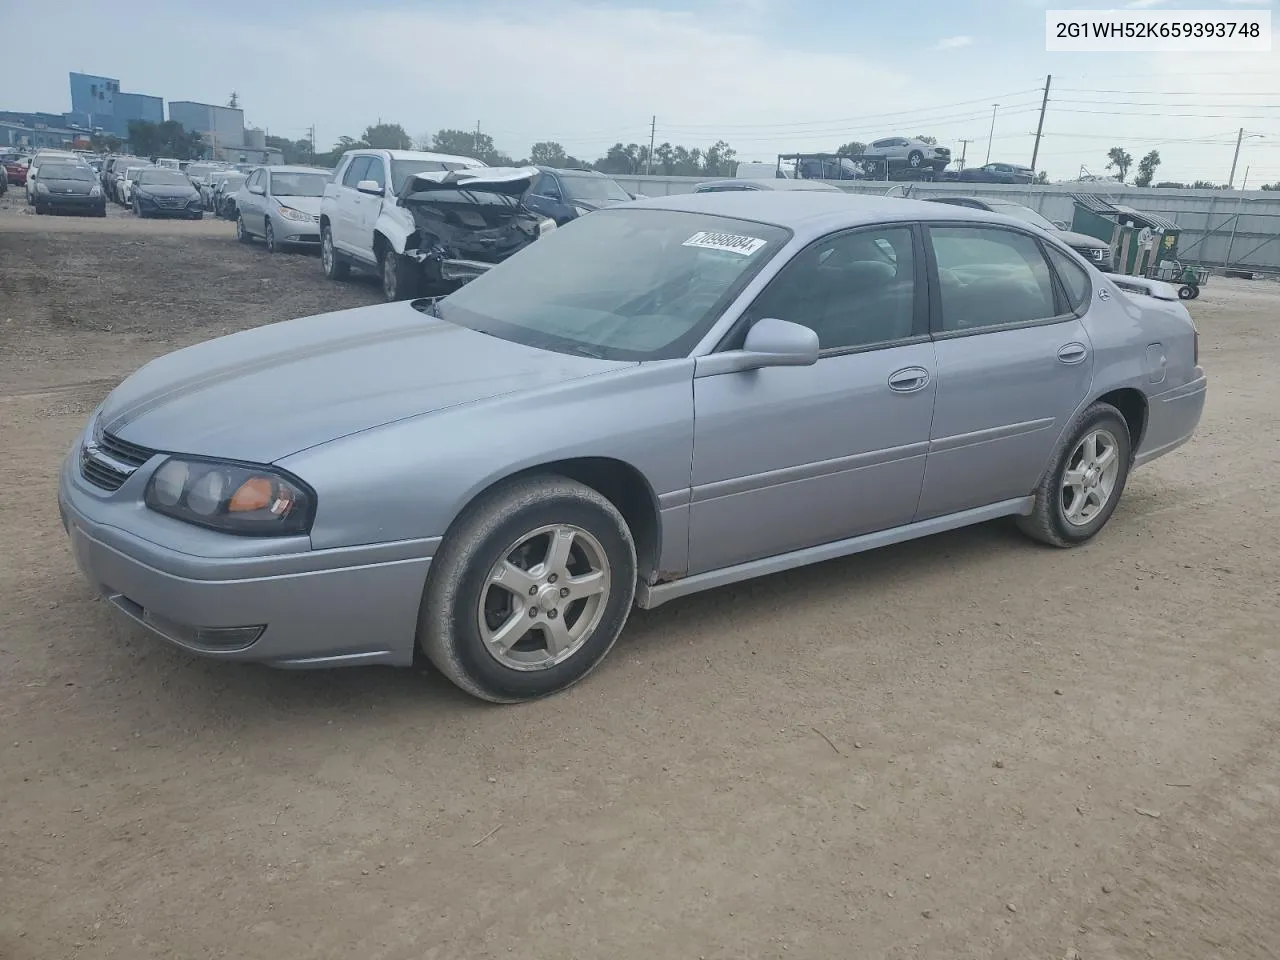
1172	418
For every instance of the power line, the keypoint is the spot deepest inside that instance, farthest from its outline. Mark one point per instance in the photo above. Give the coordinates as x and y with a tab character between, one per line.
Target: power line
1171	93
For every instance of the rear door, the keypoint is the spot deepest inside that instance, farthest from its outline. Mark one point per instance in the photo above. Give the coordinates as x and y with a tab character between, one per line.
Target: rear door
792	457
1014	363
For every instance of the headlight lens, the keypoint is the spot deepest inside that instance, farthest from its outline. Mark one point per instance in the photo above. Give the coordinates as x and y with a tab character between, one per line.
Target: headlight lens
42	188
580	211
238	498
546	226
291	214
95	191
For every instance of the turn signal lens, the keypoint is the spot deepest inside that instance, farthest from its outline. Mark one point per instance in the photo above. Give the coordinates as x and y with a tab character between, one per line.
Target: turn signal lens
253	494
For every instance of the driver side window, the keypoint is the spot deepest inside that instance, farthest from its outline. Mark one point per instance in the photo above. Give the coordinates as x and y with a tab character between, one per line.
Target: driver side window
356	172
854	290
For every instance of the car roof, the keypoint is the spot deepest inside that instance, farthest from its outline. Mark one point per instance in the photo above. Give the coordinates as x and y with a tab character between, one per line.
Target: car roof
295	168
772	183
416	155
572	171
814	213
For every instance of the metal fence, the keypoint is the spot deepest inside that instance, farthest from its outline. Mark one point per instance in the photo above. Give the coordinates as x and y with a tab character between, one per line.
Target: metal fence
1220	228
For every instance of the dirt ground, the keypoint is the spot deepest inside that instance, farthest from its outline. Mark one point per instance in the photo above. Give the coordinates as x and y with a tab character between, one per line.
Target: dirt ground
969	746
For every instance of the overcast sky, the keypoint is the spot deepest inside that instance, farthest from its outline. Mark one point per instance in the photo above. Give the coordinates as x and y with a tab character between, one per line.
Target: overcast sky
766	75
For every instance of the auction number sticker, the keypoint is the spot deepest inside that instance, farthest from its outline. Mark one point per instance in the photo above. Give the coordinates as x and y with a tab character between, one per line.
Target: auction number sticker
728	242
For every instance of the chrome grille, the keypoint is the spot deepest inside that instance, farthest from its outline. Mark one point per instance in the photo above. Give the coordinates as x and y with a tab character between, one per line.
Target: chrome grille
108	461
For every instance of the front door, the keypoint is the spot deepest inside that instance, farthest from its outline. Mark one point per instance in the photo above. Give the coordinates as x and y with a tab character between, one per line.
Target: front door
1014	364
792	457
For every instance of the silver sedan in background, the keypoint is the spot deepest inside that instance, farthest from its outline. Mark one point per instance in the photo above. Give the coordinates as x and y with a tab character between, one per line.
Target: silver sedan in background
281	205
664	397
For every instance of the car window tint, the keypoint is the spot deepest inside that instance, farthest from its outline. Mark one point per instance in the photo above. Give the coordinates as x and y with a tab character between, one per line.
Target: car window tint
547	186
377	172
1074	277
356	172
853	289
990	277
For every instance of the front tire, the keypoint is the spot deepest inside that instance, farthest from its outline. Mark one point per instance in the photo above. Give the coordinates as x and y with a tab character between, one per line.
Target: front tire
529	591
1083	484
241	233
401	277
269	233
334	268
915	159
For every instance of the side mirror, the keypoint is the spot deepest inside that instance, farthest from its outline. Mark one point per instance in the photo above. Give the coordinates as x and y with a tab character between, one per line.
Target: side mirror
370	187
770	343
260	191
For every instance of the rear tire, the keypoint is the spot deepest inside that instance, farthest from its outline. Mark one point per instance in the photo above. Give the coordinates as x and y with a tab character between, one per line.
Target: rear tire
241	233
499	570
915	159
1085	480
334	267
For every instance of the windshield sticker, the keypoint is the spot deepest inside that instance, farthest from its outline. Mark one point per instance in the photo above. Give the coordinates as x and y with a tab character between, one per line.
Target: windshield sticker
728	242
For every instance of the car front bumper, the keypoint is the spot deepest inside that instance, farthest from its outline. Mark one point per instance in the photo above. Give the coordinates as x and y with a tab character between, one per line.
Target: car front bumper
152	208
234	601
62	201
295	231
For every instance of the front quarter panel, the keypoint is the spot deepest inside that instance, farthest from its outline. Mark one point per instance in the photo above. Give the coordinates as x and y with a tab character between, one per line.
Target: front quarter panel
409	480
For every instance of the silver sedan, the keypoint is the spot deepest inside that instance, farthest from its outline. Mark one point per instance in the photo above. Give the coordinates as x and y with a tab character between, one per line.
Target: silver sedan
664	397
281	205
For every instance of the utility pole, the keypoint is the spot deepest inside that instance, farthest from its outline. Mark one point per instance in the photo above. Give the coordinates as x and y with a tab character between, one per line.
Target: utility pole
991	136
653	131
964	151
1236	159
311	133
1035	152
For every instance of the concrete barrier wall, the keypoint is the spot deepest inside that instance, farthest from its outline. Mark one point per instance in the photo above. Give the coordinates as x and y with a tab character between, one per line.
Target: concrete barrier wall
1207	217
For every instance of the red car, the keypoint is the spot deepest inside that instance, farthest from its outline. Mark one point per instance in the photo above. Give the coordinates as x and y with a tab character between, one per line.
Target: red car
16	172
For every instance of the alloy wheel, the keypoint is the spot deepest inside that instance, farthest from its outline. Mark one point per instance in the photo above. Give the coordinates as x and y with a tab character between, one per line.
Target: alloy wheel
543	600
1089	480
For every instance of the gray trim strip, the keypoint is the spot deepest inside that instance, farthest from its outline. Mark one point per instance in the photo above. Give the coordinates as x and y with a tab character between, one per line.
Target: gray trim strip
648	596
986	436
806	471
676	498
1199	385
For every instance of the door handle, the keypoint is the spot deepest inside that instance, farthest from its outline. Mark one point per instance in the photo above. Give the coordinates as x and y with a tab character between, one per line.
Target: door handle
1072	353
908	380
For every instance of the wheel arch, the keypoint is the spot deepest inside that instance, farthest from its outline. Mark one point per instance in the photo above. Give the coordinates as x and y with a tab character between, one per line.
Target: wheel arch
1133	406
619	482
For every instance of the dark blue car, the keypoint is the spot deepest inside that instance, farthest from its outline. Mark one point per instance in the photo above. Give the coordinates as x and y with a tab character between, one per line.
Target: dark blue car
564	195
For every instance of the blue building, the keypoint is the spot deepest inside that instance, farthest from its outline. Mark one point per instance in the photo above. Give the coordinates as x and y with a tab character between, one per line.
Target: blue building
98	102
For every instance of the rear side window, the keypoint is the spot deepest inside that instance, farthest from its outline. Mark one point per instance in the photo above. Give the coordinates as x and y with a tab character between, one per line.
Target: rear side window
1075	278
991	277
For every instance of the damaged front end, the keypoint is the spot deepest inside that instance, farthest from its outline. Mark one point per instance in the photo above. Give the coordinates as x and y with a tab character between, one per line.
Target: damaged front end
465	221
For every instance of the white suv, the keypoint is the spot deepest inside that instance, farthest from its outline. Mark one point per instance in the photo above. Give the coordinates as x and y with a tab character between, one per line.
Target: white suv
361	224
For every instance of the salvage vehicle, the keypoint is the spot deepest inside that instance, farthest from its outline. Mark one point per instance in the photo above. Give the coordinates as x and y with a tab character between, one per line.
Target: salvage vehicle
661	398
425	222
563	195
15	169
161	192
1097	252
281	205
69	187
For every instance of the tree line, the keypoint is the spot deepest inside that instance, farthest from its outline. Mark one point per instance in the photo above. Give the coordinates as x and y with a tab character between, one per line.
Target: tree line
1120	160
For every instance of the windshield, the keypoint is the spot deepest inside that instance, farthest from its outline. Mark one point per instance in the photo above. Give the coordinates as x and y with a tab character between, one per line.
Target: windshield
593	189
621	284
402	170
158	176
65	171
298	184
1018	211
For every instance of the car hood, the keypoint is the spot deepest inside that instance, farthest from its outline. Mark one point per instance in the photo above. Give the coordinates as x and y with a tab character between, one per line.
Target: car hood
510	180
266	393
1073	239
309	205
165	189
83	187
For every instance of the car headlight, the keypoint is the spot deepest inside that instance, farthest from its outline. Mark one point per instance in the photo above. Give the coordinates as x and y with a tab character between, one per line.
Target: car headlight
291	214
95	191
243	499
41	188
546	226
